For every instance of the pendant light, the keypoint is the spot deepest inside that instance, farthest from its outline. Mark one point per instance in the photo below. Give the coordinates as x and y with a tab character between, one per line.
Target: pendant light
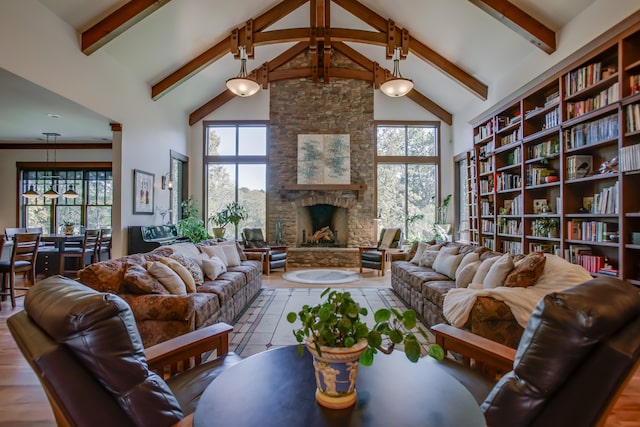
31	193
51	193
70	193
243	85
396	86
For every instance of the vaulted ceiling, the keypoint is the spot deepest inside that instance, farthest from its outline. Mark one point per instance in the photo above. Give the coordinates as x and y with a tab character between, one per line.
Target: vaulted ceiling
183	49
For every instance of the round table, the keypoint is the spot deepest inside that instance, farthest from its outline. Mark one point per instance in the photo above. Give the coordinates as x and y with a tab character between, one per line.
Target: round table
277	388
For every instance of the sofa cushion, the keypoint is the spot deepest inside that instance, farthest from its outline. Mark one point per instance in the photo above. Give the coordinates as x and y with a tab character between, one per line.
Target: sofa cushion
215	251
447	261
483	269
181	271
167	277
468	258
498	271
231	254
465	274
213	267
192	266
139	281
527	271
436	290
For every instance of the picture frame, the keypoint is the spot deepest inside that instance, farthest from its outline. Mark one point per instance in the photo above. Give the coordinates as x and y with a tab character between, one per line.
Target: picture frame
143	192
540	206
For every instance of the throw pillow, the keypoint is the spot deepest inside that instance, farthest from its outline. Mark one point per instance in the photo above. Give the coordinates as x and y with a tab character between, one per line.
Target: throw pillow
427	258
424	246
465	275
185	248
213	267
192	265
181	271
483	269
447	261
216	251
498	272
139	281
231	255
527	271
167	277
467	259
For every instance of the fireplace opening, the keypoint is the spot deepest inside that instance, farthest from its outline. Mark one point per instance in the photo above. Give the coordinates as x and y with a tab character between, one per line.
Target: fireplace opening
322	225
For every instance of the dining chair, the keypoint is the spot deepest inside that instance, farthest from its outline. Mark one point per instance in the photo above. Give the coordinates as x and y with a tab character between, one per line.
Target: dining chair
9	232
81	254
23	260
104	244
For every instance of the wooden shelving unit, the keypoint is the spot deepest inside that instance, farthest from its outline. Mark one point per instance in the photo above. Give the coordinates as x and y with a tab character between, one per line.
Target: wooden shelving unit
542	159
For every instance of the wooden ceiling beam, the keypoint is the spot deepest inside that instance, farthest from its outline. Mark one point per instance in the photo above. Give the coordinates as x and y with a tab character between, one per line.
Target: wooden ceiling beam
363	13
430	106
438	61
520	22
354	55
117	23
276	13
287	55
210	106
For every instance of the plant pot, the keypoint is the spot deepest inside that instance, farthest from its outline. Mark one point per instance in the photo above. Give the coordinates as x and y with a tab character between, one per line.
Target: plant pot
218	232
336	374
68	230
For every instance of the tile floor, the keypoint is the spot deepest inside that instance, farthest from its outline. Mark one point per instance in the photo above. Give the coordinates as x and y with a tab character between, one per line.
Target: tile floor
264	323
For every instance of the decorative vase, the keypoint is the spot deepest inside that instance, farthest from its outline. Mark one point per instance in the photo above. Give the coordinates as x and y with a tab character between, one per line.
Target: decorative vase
336	374
68	230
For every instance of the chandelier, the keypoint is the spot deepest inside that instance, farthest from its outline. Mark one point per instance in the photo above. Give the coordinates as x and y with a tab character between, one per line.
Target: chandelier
397	85
242	84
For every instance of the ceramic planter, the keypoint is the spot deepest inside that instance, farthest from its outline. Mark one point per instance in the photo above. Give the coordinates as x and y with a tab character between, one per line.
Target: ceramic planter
336	373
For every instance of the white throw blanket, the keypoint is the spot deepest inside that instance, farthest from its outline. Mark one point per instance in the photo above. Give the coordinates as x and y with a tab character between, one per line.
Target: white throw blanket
557	275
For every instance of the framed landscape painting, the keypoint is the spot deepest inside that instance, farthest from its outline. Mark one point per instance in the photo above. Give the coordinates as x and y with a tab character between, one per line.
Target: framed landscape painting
324	159
143	192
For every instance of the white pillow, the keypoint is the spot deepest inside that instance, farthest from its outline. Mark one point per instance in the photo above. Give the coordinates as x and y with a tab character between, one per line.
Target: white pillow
483	269
167	277
465	274
187	249
468	259
498	272
416	258
181	271
213	267
216	251
231	254
447	261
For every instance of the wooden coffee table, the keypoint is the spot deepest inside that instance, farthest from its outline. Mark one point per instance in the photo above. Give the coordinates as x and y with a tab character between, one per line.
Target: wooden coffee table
277	388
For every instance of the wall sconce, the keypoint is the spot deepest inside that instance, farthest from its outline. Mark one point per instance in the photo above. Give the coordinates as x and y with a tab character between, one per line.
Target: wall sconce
167	184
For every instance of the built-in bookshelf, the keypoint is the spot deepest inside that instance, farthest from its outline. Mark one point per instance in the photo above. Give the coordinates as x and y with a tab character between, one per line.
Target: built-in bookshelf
558	168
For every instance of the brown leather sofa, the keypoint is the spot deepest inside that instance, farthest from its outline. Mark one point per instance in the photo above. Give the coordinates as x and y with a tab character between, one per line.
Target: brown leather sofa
87	353
579	349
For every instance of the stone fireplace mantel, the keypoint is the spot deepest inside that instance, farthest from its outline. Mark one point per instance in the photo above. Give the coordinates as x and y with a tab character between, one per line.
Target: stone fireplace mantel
358	188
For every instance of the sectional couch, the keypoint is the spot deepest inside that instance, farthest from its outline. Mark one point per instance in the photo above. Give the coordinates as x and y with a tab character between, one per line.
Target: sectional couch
496	308
162	312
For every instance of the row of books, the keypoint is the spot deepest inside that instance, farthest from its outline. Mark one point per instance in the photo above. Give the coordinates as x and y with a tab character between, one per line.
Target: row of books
630	158
514	248
606	202
582	78
510	226
486	208
486	186
489	243
544	149
548	248
485	167
484	131
514	157
592	132
602	99
536	174
633	118
508	181
579	166
591	263
487	226
552	98
552	119
590	231
512	137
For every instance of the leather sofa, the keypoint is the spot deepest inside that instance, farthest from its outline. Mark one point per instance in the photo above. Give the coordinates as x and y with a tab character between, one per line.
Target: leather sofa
424	289
161	316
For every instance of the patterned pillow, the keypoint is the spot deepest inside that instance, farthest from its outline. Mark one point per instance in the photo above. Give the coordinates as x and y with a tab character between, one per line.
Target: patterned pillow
181	271
139	281
427	258
527	271
167	277
422	247
192	266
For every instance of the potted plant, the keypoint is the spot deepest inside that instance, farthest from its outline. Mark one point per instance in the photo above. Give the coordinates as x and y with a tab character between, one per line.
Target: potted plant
546	227
337	336
191	225
441	226
68	227
232	213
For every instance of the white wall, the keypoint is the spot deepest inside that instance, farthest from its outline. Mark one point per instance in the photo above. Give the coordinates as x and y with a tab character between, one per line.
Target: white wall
36	45
593	21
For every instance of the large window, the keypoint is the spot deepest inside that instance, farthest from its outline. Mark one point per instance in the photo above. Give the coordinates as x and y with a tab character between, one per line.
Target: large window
407	167
236	170
91	209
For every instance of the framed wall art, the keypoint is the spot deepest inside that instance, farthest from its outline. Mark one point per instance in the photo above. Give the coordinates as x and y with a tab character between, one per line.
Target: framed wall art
324	159
143	192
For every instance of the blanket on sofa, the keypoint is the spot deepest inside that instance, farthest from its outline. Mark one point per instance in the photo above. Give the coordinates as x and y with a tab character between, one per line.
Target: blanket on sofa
557	275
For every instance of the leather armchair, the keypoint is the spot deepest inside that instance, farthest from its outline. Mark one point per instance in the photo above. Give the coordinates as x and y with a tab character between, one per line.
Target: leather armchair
272	256
375	256
577	352
86	351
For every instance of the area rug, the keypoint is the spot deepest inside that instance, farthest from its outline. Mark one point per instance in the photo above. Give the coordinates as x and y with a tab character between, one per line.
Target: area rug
263	324
322	277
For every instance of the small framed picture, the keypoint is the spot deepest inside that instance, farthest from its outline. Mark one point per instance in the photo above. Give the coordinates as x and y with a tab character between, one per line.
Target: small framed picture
587	203
143	192
540	206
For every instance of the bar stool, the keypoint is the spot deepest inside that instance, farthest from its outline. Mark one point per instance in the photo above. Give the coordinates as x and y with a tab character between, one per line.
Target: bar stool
23	260
88	249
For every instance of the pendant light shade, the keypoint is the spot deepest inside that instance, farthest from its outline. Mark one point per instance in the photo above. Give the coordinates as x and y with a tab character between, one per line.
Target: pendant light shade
31	193
243	85
51	193
70	193
398	85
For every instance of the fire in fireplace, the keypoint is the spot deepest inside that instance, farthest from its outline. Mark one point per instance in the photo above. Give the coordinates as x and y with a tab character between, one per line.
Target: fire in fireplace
322	225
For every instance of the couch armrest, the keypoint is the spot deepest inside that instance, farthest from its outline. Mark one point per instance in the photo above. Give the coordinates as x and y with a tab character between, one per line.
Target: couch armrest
185	351
399	256
280	248
255	256
488	356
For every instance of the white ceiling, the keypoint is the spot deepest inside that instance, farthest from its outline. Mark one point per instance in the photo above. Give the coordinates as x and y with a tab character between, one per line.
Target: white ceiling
182	29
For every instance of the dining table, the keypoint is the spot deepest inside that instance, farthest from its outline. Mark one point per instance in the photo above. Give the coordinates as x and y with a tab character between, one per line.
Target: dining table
60	241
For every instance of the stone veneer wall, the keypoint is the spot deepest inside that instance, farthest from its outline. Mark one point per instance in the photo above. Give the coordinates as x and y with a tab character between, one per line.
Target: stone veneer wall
300	106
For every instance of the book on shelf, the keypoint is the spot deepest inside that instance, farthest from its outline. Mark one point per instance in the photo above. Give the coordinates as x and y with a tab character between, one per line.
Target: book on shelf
630	158
592	132
609	271
579	166
552	98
